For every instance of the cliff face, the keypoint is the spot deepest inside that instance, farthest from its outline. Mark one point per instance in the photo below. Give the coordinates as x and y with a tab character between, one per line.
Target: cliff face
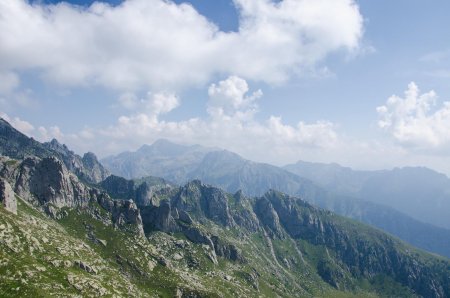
366	254
87	168
47	184
7	197
352	251
16	145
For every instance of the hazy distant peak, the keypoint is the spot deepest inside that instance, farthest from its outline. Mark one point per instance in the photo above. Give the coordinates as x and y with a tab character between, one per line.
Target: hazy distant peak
224	154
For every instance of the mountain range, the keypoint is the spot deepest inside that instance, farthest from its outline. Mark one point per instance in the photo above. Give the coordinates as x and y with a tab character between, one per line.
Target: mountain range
62	235
337	191
417	191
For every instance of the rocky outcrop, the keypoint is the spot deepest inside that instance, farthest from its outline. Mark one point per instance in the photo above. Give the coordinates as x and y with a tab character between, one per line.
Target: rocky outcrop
51	183
46	183
145	191
15	144
160	218
93	169
214	203
87	168
124	213
226	250
219	248
7	197
118	187
204	200
268	217
185	217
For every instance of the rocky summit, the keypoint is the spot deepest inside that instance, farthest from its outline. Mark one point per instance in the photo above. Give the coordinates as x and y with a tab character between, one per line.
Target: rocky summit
61	235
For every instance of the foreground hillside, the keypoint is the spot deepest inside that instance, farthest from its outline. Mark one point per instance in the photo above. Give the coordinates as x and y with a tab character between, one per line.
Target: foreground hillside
69	239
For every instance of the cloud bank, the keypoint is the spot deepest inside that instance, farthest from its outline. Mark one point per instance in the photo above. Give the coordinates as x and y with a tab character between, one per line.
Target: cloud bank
159	45
230	124
415	120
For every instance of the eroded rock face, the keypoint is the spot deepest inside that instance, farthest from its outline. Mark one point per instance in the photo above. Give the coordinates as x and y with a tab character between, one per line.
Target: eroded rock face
199	199
215	206
268	216
123	212
52	183
93	169
47	184
160	218
226	250
359	256
7	197
86	168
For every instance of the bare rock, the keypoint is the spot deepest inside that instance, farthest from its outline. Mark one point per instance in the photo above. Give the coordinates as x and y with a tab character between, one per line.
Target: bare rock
85	267
7	197
185	217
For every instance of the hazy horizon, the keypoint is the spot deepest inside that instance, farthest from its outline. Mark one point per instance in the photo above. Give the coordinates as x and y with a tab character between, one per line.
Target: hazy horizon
347	82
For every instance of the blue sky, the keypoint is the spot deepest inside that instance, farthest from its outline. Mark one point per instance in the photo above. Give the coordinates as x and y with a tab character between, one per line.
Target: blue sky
275	82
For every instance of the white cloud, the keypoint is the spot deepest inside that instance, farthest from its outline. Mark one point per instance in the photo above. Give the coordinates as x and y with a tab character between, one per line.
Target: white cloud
162	103
412	121
47	134
21	125
230	124
154	104
229	96
158	45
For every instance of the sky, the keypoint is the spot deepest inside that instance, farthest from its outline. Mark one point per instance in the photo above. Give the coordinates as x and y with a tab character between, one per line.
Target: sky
361	83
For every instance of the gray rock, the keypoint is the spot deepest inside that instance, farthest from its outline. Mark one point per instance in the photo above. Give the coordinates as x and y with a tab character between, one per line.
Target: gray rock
7	197
85	267
226	250
102	242
160	218
93	169
185	217
268	216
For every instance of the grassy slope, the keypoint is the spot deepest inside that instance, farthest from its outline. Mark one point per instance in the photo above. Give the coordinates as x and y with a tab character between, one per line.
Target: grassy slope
38	255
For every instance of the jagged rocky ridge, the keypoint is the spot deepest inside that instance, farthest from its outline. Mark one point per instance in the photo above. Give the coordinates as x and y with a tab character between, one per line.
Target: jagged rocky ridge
16	145
202	214
48	185
357	251
229	171
200	242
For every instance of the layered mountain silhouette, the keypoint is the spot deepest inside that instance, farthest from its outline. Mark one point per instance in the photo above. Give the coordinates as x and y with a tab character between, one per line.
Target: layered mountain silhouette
180	164
62	235
417	191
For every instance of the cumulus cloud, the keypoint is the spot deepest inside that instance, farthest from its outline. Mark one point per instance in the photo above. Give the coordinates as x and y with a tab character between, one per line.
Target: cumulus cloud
230	95
159	45
154	104
236	130
230	124
415	120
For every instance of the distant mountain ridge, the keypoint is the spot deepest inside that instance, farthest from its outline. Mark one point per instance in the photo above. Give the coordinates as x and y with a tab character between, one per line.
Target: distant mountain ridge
231	172
417	191
63	236
161	159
